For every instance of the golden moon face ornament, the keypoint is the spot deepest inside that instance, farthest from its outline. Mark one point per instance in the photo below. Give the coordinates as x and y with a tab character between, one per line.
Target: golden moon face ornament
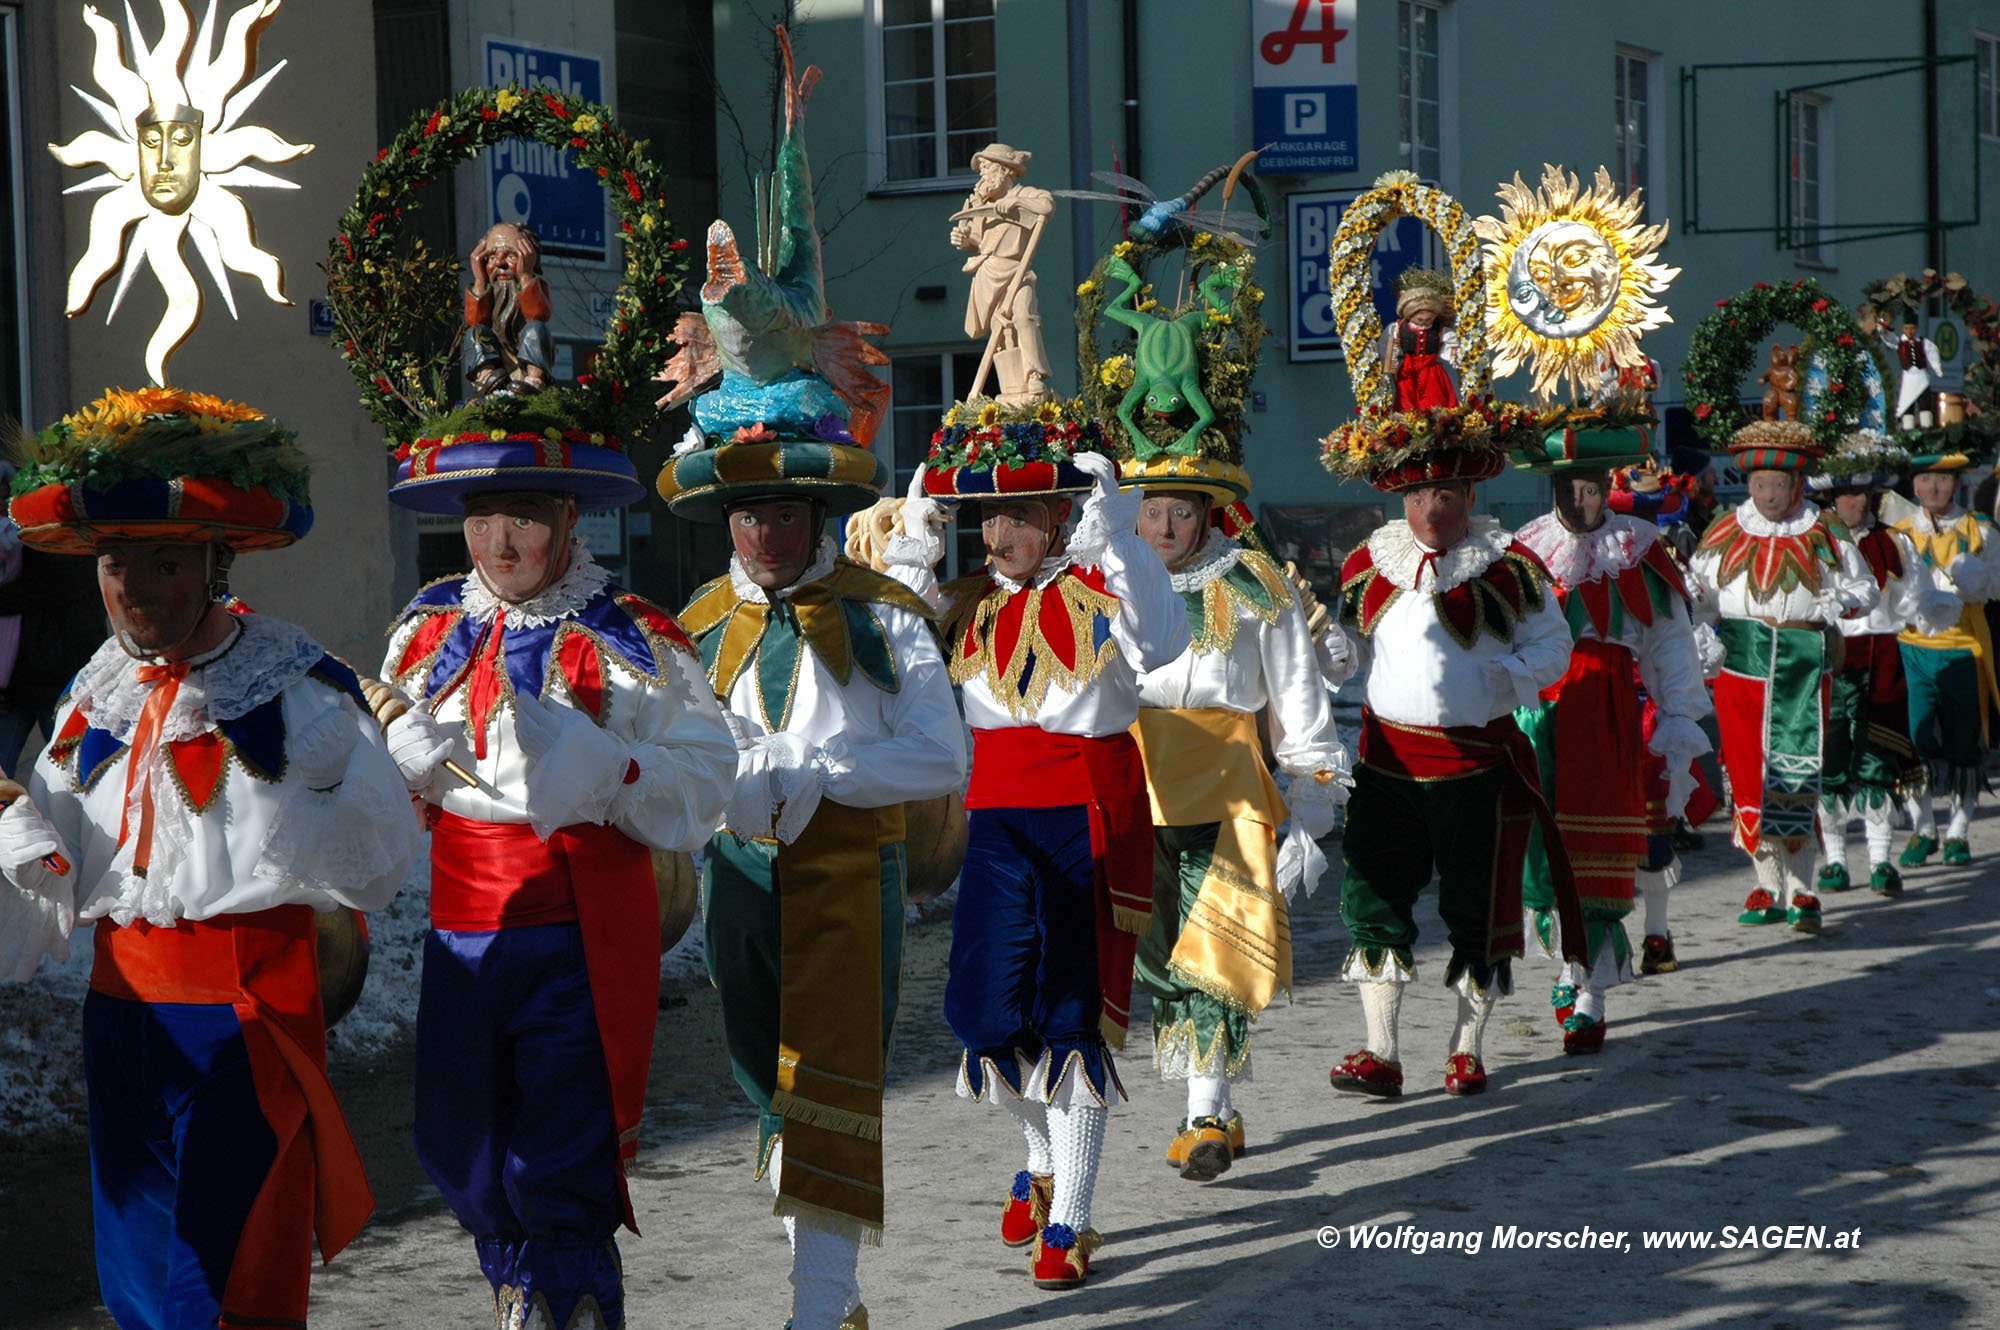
176	150
1572	277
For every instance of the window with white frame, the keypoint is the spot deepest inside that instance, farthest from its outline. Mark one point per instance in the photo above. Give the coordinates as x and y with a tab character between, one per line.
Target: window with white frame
924	384
1811	171
13	233
1988	49
1635	113
934	102
1420	86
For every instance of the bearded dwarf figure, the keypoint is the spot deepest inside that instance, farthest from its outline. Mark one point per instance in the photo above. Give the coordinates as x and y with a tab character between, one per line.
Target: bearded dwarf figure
1627	604
1779	576
214	781
999	225
507	342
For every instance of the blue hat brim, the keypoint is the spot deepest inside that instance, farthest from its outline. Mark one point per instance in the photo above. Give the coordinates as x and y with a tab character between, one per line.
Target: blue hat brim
596	477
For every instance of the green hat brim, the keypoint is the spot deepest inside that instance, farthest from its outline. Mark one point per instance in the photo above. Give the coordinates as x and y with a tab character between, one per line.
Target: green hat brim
1569	449
700	485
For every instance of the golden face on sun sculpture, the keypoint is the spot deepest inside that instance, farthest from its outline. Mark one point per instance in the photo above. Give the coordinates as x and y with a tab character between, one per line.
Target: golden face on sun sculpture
1572	278
176	151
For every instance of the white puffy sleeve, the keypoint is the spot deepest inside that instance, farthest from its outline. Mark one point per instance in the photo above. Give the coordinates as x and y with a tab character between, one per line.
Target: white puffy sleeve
37	904
921	753
685	758
1849	589
1670	666
1303	735
1151	625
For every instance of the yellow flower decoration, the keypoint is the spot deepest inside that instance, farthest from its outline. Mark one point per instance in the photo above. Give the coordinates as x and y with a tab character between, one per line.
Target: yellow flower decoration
498	436
586	124
989	414
1086	288
1122	248
951	416
1048	413
647	223
506	100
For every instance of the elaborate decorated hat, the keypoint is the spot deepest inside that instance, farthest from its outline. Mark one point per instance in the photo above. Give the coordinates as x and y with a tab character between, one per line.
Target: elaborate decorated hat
1864	459
986	450
792	401
162	464
403	315
1648	490
1170	384
1575	448
1775	445
1391	448
511	444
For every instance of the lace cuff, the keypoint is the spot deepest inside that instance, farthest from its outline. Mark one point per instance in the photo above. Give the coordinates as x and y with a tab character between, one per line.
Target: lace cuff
1677	741
343	845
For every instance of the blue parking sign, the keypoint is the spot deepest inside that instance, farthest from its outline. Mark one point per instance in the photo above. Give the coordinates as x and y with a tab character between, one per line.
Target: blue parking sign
1304	96
537	185
1310	223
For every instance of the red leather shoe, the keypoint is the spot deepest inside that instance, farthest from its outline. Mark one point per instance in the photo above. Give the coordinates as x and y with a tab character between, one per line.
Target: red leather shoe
1062	1256
1027	1208
1583	1035
1464	1074
1364	1073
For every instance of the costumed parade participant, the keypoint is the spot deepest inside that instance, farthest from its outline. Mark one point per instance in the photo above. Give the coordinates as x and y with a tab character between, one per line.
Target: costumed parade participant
1776	577
1459	628
1870	764
558	726
1047	642
214	780
1219	949
1622	592
843	712
1953	693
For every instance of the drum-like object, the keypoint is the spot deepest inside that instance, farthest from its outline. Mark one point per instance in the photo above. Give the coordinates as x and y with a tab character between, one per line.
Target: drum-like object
934	844
343	961
679	890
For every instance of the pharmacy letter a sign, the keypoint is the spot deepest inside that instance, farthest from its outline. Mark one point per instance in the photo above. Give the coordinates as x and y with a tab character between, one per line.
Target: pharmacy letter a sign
1303	75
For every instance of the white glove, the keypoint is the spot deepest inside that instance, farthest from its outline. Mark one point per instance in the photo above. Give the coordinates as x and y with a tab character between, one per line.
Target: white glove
323	745
1300	862
419	746
1961	571
575	767
26	837
921	513
1313	804
778	787
1115	509
1680	787
1334	655
1709	650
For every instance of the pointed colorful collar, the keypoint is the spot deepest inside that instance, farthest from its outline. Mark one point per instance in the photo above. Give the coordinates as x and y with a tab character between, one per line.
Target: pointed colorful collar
1500	595
1250	583
1023	641
1785	558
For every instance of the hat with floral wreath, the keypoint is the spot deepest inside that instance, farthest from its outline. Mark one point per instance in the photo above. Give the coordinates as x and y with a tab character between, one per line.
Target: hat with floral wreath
1863	459
161	464
1390	448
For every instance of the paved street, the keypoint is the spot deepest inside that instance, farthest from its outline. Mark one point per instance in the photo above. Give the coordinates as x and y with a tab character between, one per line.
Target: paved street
1844	1082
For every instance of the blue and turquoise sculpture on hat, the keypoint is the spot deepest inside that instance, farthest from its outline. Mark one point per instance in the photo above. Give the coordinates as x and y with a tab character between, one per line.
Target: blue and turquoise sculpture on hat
791	402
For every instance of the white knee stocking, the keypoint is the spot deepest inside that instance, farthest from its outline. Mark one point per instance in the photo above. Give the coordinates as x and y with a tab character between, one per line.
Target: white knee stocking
1654	888
1208	1096
1880	825
824	1285
1382	1004
1923	815
1960	825
1770	873
1603	975
1469	1035
1076	1135
1033	1116
1833	833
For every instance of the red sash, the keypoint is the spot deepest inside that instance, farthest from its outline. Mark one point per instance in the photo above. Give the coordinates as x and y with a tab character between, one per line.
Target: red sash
1600	794
1431	752
266	966
492	875
1027	767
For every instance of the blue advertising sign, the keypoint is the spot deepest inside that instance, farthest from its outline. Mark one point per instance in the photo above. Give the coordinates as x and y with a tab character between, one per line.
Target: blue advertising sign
1310	223
534	184
1304	91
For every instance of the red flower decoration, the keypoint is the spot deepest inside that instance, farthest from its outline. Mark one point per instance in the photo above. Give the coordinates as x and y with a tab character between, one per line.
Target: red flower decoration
431	125
632	187
677	245
579	142
1819	306
382	154
1722	304
1838	386
1761	286
1701	412
488	113
1845	339
555	104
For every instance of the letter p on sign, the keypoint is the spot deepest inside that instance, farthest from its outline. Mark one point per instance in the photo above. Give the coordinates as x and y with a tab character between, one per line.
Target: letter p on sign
1305	114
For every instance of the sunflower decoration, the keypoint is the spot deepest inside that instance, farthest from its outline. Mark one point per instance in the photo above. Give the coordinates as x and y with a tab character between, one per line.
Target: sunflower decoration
178	148
1572	282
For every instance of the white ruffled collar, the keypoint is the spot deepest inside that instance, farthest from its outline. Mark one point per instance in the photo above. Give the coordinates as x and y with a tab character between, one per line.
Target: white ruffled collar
260	660
1754	523
1576	558
746	589
1216	558
1052	568
1398	555
566	596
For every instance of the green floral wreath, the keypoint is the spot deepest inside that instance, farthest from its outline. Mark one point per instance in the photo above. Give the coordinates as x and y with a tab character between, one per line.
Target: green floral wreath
1227	346
1723	352
395	308
1903	293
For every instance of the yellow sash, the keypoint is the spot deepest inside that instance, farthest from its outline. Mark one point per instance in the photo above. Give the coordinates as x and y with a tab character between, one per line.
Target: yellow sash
1207	765
1971	632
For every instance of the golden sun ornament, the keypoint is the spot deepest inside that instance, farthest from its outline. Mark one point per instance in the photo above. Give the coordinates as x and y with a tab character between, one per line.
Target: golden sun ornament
1571	279
177	149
